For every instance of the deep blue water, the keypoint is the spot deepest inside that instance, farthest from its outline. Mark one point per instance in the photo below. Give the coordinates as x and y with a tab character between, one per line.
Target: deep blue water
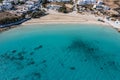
60	52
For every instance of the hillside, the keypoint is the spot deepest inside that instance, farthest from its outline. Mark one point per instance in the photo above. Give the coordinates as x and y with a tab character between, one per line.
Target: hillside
112	3
6	17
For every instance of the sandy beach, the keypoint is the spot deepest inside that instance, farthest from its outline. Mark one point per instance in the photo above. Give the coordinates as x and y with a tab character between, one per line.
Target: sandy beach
60	18
54	17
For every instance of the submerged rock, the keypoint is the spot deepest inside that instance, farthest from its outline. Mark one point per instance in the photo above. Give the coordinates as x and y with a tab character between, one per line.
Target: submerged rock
31	53
85	60
79	45
37	75
101	68
44	61
22	53
39	47
76	45
14	51
16	78
62	64
33	76
72	68
21	58
31	62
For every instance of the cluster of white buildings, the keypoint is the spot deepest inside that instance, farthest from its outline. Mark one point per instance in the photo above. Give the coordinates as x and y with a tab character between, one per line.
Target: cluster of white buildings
58	0
33	4
97	4
84	2
6	4
53	7
28	4
100	5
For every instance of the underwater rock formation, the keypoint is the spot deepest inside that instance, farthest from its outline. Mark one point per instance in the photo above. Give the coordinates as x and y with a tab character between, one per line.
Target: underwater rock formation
31	53
93	54
20	58
44	61
15	78
79	45
31	62
37	75
33	76
38	47
72	68
14	51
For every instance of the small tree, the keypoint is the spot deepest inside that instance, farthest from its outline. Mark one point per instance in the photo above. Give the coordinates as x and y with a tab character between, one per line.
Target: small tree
62	9
1	1
44	1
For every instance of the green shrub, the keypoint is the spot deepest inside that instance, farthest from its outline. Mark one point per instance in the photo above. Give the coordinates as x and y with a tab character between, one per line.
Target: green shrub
7	20
1	1
37	14
62	9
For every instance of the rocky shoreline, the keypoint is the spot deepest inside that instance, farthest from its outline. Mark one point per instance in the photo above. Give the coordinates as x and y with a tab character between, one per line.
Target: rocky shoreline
6	27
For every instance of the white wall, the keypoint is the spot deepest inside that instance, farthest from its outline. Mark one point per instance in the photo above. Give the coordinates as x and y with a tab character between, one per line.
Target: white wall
7	5
0	8
58	0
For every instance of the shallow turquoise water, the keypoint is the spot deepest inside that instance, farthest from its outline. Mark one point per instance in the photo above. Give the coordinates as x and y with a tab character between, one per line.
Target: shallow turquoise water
60	52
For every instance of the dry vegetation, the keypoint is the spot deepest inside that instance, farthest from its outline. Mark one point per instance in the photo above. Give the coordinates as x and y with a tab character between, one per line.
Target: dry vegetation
6	14
6	17
115	5
112	3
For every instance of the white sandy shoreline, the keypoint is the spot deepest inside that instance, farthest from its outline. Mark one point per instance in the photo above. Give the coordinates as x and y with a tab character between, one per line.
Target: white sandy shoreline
60	18
66	22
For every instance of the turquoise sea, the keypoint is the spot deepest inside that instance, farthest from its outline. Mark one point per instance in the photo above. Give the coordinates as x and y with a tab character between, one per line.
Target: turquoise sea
60	52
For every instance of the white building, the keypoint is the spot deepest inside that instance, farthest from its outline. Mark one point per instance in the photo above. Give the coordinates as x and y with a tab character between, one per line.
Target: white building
23	1
7	4
14	1
100	5
83	2
33	5
53	6
100	2
30	4
117	22
1	7
59	0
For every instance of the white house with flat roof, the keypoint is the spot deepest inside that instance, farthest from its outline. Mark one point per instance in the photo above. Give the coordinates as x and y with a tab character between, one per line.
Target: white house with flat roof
32	5
1	7
53	6
100	2
7	4
117	22
59	0
23	1
14	1
84	2
100	5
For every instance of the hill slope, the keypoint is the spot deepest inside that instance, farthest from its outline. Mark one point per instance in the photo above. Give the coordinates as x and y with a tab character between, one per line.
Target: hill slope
112	3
